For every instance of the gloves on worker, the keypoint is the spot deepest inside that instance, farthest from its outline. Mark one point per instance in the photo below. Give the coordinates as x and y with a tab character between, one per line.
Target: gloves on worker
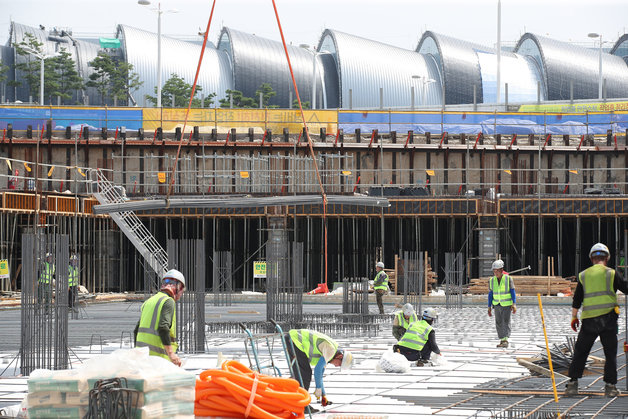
325	402
490	312
575	323
318	393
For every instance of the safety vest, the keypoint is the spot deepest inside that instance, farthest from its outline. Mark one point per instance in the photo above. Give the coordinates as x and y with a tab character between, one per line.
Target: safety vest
381	281
405	323
147	333
72	276
599	297
501	291
416	335
307	341
45	276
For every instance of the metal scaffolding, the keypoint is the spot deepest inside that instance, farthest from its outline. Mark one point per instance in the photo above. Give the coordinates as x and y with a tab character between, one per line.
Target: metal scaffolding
454	280
44	338
222	278
413	279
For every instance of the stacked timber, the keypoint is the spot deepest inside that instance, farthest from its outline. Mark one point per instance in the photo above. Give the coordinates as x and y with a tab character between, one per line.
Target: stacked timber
529	285
431	279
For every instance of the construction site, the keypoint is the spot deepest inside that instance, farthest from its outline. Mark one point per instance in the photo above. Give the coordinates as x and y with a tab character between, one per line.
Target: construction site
282	219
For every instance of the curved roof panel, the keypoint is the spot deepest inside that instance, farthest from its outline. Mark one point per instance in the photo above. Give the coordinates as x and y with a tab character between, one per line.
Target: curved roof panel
458	64
564	63
257	60
365	66
178	57
621	47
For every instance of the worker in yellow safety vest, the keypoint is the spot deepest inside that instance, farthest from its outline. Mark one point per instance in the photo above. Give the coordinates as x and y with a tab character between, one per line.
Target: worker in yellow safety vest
46	274
403	319
419	341
502	298
315	349
73	279
157	326
380	285
596	293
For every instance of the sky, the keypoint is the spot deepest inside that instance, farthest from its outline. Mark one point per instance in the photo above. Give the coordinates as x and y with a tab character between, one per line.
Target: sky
394	22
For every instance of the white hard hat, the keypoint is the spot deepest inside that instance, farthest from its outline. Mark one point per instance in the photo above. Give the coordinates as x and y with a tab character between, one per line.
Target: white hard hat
498	264
599	248
48	255
380	265
408	309
174	274
430	314
347	360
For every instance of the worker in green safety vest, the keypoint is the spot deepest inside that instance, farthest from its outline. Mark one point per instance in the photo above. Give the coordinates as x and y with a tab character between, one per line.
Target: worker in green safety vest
45	281
315	349
419	341
501	298
596	293
157	326
380	285
403	319
73	280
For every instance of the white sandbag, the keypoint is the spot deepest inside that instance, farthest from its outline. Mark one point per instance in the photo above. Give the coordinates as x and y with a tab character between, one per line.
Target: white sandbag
393	362
61	380
57	412
45	398
438	360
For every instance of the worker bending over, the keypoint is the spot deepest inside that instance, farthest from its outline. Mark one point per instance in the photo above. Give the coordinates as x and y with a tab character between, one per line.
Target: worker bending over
315	349
419	341
157	327
403	319
596	293
502	298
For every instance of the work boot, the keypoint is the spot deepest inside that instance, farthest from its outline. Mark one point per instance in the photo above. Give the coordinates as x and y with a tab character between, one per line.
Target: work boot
610	390
420	362
503	344
310	410
571	390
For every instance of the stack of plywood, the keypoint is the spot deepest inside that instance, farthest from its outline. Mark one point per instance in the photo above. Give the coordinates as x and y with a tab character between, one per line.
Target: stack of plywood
529	285
430	275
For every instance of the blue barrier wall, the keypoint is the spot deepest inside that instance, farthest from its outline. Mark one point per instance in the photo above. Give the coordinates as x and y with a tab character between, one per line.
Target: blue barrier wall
62	117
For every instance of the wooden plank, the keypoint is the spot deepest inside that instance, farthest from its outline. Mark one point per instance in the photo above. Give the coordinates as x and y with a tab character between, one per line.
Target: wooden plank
539	369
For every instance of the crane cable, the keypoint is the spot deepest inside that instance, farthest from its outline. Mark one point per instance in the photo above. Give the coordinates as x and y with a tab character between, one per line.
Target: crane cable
307	135
187	113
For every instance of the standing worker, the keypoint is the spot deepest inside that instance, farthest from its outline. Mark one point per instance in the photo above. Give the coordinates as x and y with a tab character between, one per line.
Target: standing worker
501	297
380	285
44	287
596	292
157	327
315	349
419	341
73	274
403	319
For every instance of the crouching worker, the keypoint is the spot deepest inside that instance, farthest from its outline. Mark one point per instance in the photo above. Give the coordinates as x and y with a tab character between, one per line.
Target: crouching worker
419	341
403	320
314	349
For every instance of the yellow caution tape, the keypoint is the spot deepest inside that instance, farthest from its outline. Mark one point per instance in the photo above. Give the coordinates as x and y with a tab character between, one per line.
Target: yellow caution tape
575	172
508	171
346	172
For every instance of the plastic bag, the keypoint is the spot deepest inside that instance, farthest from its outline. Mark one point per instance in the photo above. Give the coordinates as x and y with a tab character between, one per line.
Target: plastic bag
393	362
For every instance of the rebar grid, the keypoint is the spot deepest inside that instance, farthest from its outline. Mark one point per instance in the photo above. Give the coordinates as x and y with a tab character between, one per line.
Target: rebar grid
222	278
413	279
44	308
355	296
454	280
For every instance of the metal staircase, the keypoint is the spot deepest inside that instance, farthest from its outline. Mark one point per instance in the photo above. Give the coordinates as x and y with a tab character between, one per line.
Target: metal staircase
107	193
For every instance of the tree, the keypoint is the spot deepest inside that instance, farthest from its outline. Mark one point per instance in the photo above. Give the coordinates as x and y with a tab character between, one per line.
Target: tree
305	105
267	92
181	90
31	65
61	79
239	101
3	77
112	78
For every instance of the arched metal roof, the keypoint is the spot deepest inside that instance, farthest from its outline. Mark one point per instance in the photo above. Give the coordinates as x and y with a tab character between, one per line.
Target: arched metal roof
365	66
621	47
458	63
564	63
257	60
177	57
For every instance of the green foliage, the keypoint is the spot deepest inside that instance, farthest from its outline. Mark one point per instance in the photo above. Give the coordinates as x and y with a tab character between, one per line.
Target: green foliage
305	105
112	78
31	65
181	90
241	101
3	72
60	76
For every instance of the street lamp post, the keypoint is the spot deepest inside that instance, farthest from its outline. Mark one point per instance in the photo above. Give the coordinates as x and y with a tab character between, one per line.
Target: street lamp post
159	13
599	86
42	57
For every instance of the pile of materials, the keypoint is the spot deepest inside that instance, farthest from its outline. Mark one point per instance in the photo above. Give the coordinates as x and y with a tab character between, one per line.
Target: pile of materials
161	388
